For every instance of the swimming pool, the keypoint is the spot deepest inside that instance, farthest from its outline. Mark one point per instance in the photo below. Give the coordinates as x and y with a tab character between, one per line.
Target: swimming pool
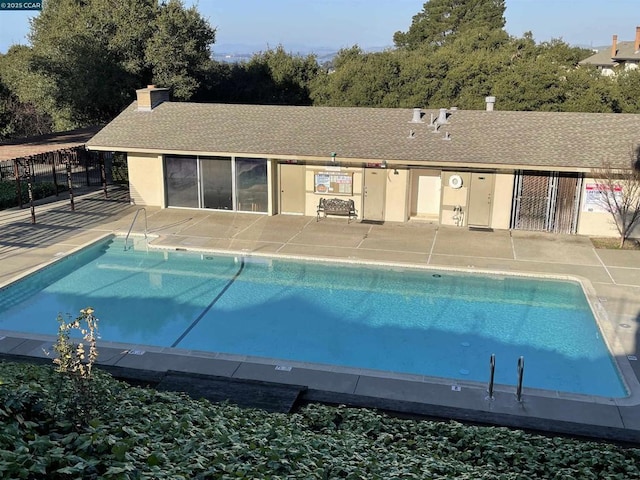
433	323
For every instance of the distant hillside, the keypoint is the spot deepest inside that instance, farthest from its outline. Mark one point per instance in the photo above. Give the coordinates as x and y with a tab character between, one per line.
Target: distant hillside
237	52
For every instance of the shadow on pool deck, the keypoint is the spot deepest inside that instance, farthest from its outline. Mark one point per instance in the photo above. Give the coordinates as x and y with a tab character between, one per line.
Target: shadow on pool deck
611	277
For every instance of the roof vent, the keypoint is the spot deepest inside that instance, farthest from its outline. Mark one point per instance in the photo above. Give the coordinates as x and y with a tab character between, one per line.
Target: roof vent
442	116
490	101
417	115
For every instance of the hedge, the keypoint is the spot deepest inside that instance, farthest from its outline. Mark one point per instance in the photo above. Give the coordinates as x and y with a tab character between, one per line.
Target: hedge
138	433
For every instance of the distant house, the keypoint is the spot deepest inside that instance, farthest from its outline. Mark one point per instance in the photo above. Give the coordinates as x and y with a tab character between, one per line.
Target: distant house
464	168
621	56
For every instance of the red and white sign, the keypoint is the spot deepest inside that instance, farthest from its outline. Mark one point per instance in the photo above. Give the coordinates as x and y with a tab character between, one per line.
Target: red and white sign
596	194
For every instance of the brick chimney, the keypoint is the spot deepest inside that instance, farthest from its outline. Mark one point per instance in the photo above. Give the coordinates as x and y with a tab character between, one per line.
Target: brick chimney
614	46
636	44
150	97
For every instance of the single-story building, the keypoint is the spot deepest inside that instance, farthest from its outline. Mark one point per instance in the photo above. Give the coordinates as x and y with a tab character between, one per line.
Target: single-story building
484	168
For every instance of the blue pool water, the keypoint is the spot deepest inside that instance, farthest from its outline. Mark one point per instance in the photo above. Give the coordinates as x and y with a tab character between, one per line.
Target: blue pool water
408	321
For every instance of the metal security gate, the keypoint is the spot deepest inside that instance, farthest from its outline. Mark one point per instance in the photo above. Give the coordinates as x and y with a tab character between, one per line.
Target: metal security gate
546	201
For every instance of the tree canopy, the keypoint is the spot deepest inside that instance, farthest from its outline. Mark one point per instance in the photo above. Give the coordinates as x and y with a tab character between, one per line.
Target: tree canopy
272	77
440	21
87	57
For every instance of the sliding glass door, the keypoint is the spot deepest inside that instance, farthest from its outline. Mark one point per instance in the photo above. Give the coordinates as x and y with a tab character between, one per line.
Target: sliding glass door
182	181
219	183
251	184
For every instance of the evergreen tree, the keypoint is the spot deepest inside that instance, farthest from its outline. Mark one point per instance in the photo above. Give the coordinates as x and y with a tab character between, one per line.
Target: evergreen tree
89	56
442	20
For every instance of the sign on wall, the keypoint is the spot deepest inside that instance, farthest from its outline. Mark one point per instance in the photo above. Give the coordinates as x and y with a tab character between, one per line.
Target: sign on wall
595	198
334	183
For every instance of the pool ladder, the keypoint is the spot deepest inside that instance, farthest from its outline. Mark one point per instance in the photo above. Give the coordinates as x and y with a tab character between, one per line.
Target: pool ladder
492	371
135	217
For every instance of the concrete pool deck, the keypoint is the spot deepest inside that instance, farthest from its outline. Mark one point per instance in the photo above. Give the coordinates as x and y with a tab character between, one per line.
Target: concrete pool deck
611	277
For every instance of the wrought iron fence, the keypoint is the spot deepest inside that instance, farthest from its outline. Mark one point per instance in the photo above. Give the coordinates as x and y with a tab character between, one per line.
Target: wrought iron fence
51	167
70	168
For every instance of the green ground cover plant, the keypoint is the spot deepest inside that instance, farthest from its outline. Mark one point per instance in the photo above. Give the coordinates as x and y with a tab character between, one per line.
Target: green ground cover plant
9	195
140	433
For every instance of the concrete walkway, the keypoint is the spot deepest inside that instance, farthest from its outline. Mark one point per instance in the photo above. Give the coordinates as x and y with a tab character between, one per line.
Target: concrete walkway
611	279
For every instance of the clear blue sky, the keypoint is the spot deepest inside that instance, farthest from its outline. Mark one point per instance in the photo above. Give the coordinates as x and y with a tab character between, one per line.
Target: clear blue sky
372	23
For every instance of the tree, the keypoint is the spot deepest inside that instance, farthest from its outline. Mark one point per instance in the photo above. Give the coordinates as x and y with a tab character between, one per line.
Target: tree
93	54
272	77
587	90
628	87
467	68
21	104
442	20
178	51
620	193
362	80
542	77
277	77
20	120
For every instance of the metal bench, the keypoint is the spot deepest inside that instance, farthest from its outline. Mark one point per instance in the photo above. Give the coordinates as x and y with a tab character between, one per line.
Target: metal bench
336	206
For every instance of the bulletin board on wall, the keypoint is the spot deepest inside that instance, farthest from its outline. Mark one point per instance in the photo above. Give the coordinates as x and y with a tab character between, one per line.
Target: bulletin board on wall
333	182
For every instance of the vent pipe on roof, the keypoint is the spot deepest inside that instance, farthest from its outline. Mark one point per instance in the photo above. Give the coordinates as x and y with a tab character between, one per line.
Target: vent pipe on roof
636	45
417	115
490	101
614	46
442	116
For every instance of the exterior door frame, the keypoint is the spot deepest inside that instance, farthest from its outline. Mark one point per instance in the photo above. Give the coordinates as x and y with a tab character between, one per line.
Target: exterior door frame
480	200
374	194
289	194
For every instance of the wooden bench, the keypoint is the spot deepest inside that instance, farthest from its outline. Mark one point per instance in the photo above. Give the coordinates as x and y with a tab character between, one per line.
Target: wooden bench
336	206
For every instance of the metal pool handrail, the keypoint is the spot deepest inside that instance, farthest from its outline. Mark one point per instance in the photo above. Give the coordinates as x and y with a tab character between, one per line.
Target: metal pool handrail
520	375
132	223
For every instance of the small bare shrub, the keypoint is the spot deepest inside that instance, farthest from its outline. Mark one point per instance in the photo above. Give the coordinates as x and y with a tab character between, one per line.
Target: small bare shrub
78	399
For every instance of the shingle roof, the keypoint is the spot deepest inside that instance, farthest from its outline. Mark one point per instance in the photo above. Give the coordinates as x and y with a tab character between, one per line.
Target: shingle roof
520	139
625	52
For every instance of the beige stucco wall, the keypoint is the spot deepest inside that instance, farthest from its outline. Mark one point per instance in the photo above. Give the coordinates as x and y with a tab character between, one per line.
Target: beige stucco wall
454	197
312	199
502	198
272	181
146	182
